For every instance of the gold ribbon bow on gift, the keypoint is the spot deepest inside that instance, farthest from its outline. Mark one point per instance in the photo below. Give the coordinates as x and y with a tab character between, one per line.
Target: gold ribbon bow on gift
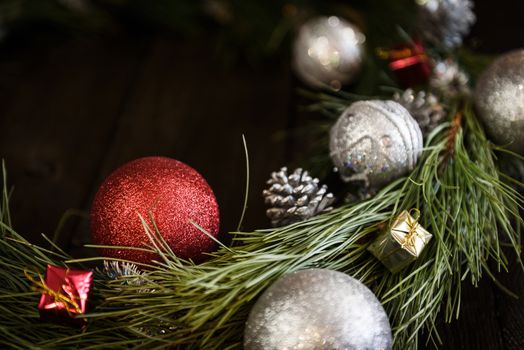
66	298
409	234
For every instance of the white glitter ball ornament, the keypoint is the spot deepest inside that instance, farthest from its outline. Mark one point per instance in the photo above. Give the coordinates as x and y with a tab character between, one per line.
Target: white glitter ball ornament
499	100
328	51
445	22
317	309
375	142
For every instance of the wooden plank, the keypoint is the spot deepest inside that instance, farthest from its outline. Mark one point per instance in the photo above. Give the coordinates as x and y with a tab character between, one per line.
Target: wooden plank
65	96
477	326
510	311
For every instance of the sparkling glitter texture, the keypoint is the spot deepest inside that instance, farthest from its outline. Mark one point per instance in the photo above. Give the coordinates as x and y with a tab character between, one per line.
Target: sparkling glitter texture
295	197
499	100
317	309
424	107
445	22
172	191
449	79
328	51
375	142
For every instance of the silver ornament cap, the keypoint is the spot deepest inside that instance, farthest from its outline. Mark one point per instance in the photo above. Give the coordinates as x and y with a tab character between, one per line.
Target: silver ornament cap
499	100
317	309
375	142
328	52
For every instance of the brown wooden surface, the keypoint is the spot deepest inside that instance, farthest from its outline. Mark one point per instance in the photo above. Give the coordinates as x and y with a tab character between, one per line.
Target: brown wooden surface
72	109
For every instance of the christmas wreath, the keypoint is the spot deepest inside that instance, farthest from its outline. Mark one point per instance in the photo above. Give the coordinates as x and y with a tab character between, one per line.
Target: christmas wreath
429	202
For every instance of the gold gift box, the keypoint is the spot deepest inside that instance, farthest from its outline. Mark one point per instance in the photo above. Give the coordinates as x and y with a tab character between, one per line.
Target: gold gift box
402	244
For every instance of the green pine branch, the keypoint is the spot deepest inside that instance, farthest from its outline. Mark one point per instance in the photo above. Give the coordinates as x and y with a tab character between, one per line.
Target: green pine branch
456	185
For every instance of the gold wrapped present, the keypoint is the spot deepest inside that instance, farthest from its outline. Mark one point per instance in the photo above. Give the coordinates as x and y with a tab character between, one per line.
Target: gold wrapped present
402	244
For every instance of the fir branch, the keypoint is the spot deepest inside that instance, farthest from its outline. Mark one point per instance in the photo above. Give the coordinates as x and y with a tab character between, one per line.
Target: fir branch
465	204
463	207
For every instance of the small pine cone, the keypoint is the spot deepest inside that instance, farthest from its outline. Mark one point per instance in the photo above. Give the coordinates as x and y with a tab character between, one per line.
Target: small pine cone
119	270
448	79
295	197
445	22
129	274
116	269
424	107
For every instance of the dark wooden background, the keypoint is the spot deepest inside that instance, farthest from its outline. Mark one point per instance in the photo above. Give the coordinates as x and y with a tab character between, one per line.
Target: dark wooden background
75	107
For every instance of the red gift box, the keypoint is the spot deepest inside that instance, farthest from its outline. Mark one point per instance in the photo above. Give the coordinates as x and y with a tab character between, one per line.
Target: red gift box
65	295
410	64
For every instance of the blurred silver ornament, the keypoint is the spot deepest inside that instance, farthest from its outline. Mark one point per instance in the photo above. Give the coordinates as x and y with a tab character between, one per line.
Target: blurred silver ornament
445	22
425	107
328	52
295	197
449	79
499	100
317	309
375	142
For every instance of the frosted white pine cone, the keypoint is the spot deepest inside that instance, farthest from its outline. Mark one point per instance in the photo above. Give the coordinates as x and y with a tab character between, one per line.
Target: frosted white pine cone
425	107
445	22
295	197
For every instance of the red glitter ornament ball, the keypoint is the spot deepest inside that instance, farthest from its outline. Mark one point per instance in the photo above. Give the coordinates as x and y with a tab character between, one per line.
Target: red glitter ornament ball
172	191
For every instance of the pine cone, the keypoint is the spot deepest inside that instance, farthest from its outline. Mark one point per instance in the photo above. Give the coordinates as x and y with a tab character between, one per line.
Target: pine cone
115	270
295	197
445	22
424	107
448	79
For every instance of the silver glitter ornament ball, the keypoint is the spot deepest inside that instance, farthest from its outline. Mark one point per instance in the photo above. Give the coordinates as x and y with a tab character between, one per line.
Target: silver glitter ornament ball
328	52
317	309
499	100
375	142
445	22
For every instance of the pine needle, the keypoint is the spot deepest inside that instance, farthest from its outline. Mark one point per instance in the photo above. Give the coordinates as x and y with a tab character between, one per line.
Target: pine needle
463	201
